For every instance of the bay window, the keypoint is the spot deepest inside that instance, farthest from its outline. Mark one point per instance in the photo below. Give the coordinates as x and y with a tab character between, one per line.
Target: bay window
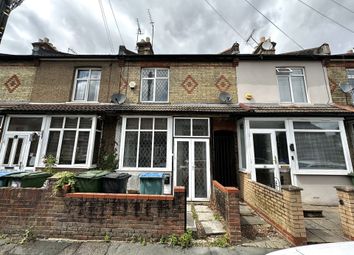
319	145
145	142
74	140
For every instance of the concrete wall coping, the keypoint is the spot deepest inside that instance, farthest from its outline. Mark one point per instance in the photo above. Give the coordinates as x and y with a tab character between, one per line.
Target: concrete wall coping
349	189
291	188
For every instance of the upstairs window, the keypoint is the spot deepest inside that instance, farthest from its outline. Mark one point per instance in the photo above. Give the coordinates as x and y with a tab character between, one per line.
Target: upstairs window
292	88
350	76
87	84
154	85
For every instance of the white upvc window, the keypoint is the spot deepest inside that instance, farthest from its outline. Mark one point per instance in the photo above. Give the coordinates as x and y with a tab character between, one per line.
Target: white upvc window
292	85
74	140
191	127
154	85
86	85
350	76
146	143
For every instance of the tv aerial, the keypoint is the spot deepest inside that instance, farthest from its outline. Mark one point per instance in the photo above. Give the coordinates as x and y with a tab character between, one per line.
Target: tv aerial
152	27
225	97
347	88
118	98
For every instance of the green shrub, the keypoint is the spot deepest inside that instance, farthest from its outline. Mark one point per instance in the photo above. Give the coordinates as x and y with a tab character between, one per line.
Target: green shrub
49	162
64	178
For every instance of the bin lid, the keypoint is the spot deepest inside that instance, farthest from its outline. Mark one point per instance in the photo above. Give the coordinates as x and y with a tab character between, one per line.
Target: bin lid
117	176
151	175
5	173
92	174
28	175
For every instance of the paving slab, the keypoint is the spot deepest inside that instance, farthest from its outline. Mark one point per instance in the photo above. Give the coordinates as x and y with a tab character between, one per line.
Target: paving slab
96	248
245	210
252	220
240	251
7	248
213	227
41	247
71	249
191	222
202	208
206	216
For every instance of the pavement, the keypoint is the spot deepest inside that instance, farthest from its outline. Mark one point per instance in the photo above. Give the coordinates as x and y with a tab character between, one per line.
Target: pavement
326	229
67	247
209	220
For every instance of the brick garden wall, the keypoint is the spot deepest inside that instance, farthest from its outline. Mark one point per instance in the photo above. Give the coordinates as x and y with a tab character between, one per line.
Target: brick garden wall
225	200
91	215
346	210
282	209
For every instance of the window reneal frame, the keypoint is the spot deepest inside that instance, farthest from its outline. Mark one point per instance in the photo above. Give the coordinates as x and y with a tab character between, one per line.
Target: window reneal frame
350	76
154	85
145	142
70	140
87	84
197	127
292	86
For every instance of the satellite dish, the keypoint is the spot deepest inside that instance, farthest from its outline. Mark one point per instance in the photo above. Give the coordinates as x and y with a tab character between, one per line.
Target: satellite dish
346	87
118	98
267	45
225	97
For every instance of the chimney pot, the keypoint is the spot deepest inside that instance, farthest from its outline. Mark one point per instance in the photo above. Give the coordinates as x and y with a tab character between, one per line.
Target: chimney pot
262	39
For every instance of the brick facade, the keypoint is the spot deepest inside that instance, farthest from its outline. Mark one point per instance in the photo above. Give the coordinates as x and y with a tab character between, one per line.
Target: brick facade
282	209
225	200
16	82
336	74
346	210
209	78
91	215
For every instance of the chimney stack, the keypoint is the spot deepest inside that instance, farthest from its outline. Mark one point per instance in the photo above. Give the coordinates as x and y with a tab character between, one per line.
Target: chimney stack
145	47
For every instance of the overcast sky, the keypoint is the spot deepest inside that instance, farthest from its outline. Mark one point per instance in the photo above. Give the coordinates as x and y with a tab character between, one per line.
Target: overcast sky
181	26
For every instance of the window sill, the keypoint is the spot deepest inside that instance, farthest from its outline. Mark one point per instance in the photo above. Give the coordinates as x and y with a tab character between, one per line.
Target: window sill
154	102
82	102
321	172
144	170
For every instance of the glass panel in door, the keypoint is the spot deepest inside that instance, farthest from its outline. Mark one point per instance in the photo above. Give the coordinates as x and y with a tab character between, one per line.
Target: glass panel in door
14	150
200	170
262	144
182	165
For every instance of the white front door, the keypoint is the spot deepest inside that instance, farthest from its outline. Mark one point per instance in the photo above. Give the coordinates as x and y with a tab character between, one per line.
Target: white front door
192	167
19	151
266	167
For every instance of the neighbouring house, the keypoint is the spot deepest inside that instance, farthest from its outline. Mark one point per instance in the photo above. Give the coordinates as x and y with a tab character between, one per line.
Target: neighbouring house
194	118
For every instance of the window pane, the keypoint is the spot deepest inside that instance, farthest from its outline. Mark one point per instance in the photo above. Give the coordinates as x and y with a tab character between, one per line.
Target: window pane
18	151
80	90
85	122
146	123
145	147
262	149
147	90
148	73
200	127
8	151
132	123
83	74
81	148
99	123
96	74
161	90
267	124
299	92
25	124
161	123
282	148
130	149
316	125
96	149
93	90
182	127
71	122
162	73
56	122
284	89
32	152
53	141
67	147
296	71
160	149
266	176
320	150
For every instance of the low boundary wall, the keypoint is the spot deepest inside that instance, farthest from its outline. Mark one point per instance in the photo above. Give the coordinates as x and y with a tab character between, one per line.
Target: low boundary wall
346	209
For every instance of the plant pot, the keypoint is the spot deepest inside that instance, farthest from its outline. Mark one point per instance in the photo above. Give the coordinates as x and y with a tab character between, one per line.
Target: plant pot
67	188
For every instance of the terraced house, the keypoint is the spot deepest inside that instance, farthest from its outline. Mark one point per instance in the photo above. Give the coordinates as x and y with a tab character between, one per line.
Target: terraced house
195	118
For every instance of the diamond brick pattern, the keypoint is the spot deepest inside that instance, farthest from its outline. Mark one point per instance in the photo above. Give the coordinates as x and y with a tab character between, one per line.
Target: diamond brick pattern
12	83
189	84
222	83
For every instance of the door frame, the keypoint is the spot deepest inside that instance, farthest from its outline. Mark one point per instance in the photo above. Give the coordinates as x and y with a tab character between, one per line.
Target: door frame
275	164
191	171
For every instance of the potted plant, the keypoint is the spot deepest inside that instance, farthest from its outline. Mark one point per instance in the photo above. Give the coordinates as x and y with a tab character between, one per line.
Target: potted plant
65	182
351	175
